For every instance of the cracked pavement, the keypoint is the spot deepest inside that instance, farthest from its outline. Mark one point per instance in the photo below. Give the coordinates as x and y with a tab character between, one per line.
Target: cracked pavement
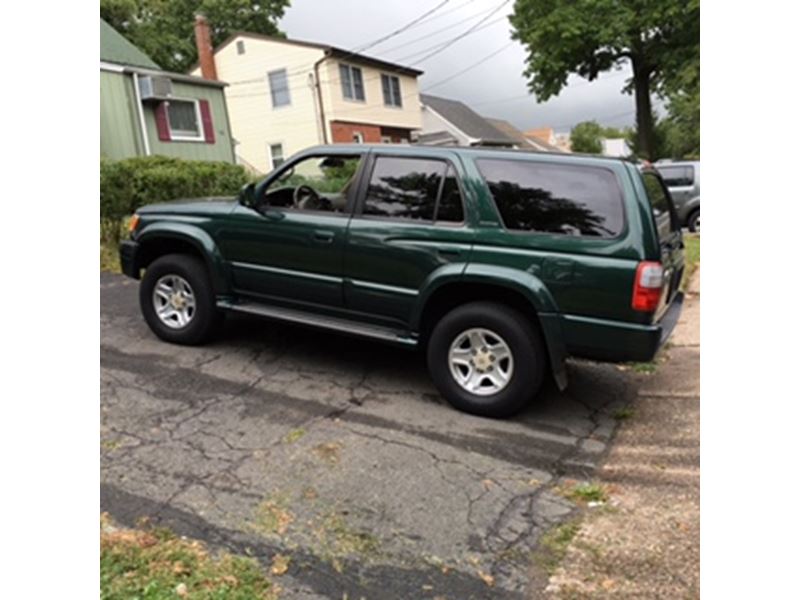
339	453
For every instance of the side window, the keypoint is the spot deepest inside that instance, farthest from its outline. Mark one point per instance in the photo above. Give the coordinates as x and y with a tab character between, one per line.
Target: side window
390	84
659	202
276	155
404	188
279	88
450	208
549	198
352	82
318	183
677	176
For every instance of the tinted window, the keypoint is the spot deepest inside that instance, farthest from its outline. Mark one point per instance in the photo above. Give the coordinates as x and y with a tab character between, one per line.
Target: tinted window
677	176
450	207
659	202
404	188
555	198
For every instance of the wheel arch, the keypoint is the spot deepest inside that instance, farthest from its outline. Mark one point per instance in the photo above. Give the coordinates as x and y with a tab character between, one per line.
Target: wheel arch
161	239
524	292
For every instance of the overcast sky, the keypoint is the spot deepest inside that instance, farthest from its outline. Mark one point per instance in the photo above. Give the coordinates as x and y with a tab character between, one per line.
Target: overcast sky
495	88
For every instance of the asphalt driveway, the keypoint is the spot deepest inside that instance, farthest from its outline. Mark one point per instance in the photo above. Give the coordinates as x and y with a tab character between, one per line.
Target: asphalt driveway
337	453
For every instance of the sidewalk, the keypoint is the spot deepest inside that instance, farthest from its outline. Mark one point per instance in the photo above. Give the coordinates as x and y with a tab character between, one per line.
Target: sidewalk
645	542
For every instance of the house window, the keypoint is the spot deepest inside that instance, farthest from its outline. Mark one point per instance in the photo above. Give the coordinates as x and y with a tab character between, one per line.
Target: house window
279	88
391	91
352	82
358	137
183	117
240	47
276	155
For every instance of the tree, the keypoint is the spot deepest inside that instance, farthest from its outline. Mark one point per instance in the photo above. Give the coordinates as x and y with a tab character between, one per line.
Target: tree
164	29
588	37
587	137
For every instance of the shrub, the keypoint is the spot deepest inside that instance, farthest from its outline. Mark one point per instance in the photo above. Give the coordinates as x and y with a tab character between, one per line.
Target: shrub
127	184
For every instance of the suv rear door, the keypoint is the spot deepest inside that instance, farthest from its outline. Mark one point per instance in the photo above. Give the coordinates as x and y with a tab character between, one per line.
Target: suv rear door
410	220
668	232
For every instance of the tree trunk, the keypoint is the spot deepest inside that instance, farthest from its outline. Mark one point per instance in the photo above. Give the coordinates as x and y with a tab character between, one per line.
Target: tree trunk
644	110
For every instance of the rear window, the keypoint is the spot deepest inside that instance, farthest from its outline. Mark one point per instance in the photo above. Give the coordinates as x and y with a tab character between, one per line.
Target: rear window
677	176
550	198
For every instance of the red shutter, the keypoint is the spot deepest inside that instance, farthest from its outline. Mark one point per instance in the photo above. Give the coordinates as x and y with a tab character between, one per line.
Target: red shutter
162	124
208	126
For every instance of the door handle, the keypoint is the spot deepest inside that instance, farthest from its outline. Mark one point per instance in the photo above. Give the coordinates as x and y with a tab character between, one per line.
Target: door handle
323	237
449	252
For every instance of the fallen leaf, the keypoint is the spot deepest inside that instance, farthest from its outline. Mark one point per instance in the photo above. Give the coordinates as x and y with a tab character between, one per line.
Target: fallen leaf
487	579
280	564
488	484
608	584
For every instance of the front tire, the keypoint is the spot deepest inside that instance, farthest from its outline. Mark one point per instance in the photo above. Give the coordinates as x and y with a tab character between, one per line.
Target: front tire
694	222
177	300
487	359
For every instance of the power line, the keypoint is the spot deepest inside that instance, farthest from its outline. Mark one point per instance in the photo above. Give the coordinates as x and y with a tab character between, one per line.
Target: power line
357	49
432	33
439	48
462	35
469	68
400	30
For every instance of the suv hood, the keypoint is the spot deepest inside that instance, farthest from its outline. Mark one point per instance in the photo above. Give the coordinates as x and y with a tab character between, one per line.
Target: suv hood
213	205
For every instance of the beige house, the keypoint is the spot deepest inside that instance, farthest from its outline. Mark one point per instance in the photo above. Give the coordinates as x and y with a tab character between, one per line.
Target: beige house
286	95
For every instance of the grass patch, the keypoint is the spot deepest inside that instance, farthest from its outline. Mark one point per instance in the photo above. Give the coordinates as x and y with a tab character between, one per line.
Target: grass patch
622	414
156	565
109	257
691	251
272	516
587	492
294	435
553	545
337	540
648	368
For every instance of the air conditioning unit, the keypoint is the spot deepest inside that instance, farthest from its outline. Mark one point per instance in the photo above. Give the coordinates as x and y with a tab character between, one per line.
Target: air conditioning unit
155	88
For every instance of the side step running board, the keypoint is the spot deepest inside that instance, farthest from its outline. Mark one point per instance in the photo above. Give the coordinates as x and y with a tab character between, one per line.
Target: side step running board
357	328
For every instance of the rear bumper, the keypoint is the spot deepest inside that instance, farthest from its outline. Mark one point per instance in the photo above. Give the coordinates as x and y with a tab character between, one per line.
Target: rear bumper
127	258
617	341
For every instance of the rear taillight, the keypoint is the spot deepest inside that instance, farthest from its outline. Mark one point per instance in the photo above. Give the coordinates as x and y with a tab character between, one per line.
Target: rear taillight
647	286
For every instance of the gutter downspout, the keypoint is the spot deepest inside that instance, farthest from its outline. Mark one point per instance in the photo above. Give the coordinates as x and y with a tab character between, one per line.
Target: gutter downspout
140	113
319	99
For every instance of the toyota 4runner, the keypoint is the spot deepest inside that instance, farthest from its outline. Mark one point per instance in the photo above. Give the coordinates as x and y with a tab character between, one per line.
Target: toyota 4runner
498	264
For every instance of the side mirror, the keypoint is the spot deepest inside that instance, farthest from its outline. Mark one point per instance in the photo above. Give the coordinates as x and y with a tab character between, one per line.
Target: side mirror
247	195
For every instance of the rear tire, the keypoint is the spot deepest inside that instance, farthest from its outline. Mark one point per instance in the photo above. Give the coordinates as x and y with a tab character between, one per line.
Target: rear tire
193	318
485	382
694	222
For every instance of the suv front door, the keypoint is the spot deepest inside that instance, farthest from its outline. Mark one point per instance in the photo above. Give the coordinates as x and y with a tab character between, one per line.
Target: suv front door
409	222
288	248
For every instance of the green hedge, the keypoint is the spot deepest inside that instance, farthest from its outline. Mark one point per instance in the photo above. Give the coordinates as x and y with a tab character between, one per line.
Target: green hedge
127	184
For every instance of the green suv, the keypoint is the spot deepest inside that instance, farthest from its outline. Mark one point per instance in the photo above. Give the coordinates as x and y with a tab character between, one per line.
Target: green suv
498	264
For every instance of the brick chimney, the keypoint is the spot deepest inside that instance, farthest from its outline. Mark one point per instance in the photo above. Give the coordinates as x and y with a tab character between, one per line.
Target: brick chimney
205	51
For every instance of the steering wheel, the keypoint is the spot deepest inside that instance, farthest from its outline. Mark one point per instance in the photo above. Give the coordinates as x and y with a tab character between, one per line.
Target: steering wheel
303	195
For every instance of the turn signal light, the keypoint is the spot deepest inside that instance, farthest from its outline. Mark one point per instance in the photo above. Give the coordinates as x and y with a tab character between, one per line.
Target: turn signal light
133	223
647	286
